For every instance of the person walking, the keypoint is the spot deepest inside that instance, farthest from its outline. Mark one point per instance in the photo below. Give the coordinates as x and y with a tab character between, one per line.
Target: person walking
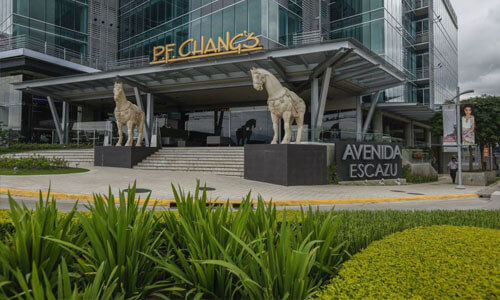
453	166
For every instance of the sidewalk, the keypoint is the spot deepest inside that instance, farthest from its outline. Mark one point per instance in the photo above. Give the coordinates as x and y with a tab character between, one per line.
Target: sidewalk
228	188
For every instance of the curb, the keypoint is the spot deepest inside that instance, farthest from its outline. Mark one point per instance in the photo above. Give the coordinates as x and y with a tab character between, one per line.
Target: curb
167	202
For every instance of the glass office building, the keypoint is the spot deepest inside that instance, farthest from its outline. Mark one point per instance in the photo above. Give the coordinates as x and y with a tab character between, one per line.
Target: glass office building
398	30
145	24
57	22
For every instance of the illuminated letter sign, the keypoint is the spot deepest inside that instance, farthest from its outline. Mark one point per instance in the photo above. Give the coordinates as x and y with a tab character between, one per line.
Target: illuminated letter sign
191	48
360	161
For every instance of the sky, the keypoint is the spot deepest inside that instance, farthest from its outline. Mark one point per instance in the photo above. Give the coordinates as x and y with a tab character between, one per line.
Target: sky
478	45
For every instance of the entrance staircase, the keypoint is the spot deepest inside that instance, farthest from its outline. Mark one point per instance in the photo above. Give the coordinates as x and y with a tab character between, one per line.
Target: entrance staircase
227	161
75	157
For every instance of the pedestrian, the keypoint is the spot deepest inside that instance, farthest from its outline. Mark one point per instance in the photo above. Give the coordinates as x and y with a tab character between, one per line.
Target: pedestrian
453	165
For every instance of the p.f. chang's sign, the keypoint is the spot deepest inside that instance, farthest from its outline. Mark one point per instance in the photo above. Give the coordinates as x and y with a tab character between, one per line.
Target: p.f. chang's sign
191	48
360	161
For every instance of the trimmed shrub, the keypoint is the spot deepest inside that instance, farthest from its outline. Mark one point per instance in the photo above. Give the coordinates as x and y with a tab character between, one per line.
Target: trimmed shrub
414	178
20	147
437	262
32	163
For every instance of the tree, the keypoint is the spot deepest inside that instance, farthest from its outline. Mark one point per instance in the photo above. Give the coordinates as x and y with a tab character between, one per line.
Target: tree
486	116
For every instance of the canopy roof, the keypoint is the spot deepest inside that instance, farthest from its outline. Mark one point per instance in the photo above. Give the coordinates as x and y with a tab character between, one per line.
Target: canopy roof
356	70
414	111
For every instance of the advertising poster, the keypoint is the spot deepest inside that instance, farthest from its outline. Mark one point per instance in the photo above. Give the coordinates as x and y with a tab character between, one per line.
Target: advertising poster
449	125
468	124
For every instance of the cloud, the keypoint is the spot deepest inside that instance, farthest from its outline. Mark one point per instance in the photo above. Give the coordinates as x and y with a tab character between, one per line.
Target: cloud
479	45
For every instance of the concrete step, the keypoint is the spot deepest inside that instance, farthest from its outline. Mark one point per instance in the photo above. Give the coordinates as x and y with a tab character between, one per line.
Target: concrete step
224	173
192	166
198	161
213	160
192	157
200	152
185	168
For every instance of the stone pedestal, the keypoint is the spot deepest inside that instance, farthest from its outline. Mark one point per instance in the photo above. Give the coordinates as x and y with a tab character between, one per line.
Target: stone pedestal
121	157
287	165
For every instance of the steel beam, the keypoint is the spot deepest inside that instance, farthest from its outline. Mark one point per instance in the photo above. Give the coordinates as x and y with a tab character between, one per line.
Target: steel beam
150	115
359	120
55	118
280	70
134	84
325	84
368	119
138	100
65	121
314	107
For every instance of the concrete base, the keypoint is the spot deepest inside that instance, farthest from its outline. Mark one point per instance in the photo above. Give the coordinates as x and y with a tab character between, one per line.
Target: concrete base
287	165
423	169
390	182
121	157
478	178
495	196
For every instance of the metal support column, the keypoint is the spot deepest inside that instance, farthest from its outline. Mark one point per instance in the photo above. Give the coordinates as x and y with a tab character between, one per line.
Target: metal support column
65	121
314	107
55	118
369	117
138	100
150	115
325	84
359	120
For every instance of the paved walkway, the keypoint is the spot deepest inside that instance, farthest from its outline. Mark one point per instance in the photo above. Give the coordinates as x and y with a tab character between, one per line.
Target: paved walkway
230	188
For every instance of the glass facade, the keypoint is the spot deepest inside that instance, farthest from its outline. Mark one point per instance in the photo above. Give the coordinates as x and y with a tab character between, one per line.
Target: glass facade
252	122
393	30
59	22
145	24
386	28
445	49
10	103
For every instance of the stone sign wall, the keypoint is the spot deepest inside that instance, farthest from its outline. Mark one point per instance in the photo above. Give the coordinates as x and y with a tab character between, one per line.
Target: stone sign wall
360	161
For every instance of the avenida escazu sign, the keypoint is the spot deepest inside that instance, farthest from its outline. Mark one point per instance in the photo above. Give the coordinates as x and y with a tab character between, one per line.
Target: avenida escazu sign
360	161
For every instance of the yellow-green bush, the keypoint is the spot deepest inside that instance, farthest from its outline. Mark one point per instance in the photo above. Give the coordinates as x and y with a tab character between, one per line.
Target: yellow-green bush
437	262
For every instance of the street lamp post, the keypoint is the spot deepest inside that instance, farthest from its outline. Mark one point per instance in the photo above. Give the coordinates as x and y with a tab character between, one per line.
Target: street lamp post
459	135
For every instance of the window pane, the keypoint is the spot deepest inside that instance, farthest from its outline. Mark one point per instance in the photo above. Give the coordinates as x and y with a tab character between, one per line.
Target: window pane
228	19
241	17
254	18
37	9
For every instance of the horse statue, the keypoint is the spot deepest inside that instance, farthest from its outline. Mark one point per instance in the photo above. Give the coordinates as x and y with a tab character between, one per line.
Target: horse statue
282	103
129	114
244	133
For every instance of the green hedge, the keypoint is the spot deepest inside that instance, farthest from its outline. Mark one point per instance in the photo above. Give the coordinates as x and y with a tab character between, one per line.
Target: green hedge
413	178
438	262
32	163
20	147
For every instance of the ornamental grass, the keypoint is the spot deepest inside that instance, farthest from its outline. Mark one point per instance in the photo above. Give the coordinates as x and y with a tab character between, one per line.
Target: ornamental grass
117	250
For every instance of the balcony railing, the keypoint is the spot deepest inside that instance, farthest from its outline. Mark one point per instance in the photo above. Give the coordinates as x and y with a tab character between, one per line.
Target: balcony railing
22	41
421	4
422	73
422	37
19	42
309	37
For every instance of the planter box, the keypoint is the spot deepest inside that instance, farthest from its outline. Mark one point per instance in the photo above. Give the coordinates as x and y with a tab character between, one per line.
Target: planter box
286	164
478	178
121	157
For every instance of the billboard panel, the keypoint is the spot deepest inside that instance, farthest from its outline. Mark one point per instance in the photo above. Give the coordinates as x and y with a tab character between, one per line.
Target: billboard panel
449	125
